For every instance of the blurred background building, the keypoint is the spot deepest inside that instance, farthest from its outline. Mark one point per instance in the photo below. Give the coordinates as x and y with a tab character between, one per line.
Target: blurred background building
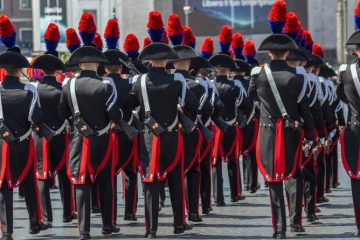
206	17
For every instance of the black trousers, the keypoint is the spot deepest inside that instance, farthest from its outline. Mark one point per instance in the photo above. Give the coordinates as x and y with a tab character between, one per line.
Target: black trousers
151	193
218	190
310	179
277	206
250	170
94	196
355	190
320	175
66	195
83	194
335	167
234	177
131	191
32	202
328	170
193	188
106	195
205	182
295	191
176	183
162	192
45	200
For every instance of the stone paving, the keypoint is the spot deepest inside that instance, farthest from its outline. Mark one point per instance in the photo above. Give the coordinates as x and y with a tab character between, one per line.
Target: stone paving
249	219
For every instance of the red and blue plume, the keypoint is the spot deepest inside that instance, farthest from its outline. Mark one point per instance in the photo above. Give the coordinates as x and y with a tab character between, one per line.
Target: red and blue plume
87	28
52	37
72	40
98	41
189	38
175	29
146	42
292	26
112	33
237	45
318	50
7	32
308	41
357	16
300	40
277	16
225	38
155	26
249	51
207	48
165	38
131	46
231	54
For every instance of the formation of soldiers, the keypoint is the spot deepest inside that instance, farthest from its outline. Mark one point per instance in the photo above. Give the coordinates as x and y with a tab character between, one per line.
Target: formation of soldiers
174	116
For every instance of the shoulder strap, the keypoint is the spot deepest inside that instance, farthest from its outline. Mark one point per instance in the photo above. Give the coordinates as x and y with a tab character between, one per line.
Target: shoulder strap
1	107
144	95
275	91
355	77
73	97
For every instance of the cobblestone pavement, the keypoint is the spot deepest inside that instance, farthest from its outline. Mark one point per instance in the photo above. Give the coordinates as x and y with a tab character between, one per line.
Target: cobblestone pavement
249	219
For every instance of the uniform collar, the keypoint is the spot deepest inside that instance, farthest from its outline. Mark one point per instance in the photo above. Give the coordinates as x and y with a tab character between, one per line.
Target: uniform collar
279	63
88	73
48	79
239	77
157	70
115	76
10	81
221	78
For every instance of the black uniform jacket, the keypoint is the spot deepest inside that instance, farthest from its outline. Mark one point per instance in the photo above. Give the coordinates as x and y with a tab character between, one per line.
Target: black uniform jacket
51	156
125	151
229	93
160	154
350	136
194	140
20	109
279	147
97	108
250	130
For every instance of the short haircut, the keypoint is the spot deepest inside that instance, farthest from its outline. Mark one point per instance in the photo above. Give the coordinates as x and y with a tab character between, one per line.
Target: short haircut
12	71
278	53
49	72
113	68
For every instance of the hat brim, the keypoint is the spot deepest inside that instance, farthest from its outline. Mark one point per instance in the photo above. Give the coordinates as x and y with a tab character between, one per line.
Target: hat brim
115	57
354	39
87	54
278	42
157	51
241	66
48	62
13	59
222	60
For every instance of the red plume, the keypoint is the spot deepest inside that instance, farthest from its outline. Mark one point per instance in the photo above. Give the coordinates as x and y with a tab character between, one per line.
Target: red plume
237	41
87	23
155	20
225	34
278	11
308	38
208	45
6	26
71	37
165	38
357	9
231	52
174	26
131	43
292	23
189	37
112	28
318	50
52	33
146	42
98	41
249	48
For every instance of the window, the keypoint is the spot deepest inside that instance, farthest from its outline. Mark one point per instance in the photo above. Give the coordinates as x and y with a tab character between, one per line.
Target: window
26	35
25	5
1	5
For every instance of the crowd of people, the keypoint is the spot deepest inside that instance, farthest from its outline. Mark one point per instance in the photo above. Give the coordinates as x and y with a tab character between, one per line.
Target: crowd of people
175	117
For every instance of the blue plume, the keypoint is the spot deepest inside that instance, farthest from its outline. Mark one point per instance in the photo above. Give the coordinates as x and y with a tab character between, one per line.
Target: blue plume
224	47
9	41
72	48
51	45
276	26
357	22
156	34
111	42
238	52
87	37
176	39
206	55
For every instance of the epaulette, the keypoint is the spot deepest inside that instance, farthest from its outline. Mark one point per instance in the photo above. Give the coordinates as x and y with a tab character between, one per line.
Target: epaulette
343	67
300	70
65	82
256	71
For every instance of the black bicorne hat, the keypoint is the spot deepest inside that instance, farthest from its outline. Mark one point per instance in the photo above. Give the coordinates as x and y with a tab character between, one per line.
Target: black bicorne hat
115	57
354	39
142	68
241	66
48	62
12	59
278	42
199	62
157	51
326	71
297	55
185	52
222	60
87	54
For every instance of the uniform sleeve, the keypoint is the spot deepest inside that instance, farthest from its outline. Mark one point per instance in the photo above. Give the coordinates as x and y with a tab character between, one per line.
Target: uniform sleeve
36	114
304	109
218	107
64	107
112	104
191	103
252	90
207	109
318	118
340	91
328	116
